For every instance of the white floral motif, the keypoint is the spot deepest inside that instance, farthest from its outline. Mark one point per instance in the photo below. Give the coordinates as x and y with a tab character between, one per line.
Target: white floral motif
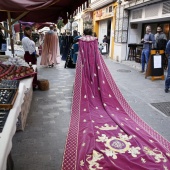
97	108
83	144
124	137
92	160
98	88
95	75
126	119
98	67
151	141
112	114
117	108
156	154
84	110
84	120
137	129
110	153
104	104
98	132
110	96
93	97
103	82
84	131
81	163
165	168
102	138
122	124
85	96
101	116
134	151
92	121
143	160
168	154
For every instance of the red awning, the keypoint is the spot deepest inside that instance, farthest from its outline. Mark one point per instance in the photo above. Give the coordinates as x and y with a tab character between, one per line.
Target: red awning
39	10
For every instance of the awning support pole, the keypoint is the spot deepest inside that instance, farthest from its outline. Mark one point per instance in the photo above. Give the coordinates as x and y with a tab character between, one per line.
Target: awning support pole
10	28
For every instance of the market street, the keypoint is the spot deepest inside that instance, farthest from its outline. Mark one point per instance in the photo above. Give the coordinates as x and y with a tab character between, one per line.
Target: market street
41	145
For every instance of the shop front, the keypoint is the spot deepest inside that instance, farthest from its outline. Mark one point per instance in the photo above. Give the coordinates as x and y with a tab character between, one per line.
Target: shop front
156	14
104	25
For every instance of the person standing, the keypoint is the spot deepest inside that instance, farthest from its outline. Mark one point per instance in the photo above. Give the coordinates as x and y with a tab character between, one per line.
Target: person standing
148	42
41	41
66	45
160	39
167	81
29	46
105	39
2	37
160	44
50	51
30	50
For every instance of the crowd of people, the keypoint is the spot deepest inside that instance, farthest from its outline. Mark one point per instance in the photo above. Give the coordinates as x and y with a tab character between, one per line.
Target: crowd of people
52	48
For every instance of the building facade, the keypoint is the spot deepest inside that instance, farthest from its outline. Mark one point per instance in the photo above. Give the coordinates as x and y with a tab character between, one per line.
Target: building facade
146	12
104	17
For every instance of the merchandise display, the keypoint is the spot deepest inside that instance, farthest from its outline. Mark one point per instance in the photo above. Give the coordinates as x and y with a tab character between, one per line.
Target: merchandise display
8	93
17	61
7	97
3	117
11	72
11	84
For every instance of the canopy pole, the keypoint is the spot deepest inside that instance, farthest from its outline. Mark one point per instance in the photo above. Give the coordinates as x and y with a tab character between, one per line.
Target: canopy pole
10	28
10	32
19	17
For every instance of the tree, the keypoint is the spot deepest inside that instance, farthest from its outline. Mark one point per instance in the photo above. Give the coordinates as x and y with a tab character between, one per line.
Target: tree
60	23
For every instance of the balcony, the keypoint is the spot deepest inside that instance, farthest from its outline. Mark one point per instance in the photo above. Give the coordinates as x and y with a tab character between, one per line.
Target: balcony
96	4
131	4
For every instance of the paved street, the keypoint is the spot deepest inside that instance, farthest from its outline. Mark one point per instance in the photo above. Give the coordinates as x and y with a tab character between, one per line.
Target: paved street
41	145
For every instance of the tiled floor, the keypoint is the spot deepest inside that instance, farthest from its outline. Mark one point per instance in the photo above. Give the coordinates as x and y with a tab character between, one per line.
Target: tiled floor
41	145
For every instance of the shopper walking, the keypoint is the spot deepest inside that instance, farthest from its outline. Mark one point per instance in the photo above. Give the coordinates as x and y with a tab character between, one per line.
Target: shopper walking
50	52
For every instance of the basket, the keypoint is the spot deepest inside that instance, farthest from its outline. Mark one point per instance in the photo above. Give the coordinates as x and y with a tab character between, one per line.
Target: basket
43	84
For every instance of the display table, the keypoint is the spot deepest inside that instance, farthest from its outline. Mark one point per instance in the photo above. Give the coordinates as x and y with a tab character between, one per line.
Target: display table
10	128
17	115
25	107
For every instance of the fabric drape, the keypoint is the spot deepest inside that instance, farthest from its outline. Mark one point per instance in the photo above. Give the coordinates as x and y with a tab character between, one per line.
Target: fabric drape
105	133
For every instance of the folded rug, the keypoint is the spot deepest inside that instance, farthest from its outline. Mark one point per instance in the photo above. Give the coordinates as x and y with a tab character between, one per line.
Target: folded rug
105	133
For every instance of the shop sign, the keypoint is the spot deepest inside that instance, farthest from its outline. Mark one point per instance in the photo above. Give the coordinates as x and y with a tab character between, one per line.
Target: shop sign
103	13
87	16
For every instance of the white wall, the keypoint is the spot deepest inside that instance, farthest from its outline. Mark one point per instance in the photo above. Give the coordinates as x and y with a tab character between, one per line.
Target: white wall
120	51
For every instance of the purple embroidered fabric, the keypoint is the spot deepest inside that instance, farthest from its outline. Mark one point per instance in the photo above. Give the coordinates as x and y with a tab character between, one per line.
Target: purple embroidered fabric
105	133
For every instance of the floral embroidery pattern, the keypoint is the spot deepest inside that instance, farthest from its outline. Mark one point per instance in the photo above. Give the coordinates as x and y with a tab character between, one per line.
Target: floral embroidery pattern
92	160
156	154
